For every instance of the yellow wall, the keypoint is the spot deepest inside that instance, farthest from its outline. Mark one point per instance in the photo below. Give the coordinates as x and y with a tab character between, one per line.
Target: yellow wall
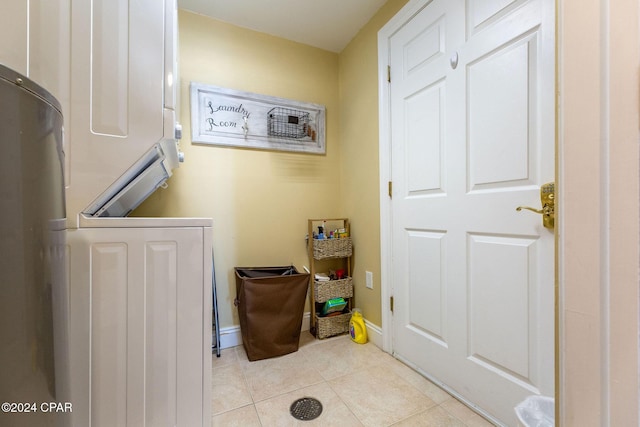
358	134
259	200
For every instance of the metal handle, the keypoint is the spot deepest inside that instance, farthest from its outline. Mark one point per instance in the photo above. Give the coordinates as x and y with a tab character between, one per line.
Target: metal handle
538	211
547	198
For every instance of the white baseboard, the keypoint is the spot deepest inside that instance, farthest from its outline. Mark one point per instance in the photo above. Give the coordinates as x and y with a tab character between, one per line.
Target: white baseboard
306	321
374	333
232	337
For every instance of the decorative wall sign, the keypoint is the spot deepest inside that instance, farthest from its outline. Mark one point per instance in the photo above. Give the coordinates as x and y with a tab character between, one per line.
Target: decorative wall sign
221	116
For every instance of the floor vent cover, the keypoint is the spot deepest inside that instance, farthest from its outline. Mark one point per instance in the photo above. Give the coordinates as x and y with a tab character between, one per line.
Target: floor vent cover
306	409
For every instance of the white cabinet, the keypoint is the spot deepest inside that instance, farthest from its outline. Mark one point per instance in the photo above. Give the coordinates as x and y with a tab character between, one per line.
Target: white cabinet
123	69
112	64
139	289
140	322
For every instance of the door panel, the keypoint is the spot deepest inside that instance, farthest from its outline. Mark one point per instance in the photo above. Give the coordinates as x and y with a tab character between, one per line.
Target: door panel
108	302
161	271
426	46
499	270
481	13
427	288
424	144
498	88
472	137
110	68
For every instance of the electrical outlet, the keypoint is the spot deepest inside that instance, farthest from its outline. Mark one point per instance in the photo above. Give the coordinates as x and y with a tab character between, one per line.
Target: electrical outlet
369	279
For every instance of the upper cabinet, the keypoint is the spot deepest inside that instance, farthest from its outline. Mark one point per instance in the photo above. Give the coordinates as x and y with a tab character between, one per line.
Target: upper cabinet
112	64
123	91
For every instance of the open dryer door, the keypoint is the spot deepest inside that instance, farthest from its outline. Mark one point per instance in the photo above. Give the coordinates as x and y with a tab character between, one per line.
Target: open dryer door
137	183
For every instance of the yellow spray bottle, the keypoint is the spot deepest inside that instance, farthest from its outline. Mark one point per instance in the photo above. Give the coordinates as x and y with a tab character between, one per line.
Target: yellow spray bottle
357	328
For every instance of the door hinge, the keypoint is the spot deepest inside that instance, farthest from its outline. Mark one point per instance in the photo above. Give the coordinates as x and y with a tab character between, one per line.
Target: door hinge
391	304
389	73
390	189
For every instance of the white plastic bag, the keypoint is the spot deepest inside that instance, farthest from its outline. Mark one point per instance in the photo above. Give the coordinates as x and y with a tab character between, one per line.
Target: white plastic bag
536	411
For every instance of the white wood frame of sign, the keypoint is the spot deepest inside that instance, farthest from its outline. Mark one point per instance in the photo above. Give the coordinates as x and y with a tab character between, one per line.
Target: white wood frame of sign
222	116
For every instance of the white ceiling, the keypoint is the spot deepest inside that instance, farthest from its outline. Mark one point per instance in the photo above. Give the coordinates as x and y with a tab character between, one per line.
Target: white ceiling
327	24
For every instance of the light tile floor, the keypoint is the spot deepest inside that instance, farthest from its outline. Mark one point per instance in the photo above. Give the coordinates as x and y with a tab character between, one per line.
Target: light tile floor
358	385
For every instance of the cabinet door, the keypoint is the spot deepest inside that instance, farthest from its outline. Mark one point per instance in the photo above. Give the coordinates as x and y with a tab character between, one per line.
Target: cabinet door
137	308
118	85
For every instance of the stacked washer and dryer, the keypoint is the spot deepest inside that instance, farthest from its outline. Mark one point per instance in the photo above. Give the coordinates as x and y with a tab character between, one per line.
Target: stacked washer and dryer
132	303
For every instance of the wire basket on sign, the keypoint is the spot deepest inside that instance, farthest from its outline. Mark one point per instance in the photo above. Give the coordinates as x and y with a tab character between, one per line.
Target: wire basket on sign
289	123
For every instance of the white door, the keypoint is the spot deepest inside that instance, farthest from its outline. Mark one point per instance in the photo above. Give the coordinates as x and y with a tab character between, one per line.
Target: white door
472	125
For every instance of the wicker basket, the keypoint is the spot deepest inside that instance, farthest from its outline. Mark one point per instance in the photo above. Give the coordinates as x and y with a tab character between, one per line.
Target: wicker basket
324	291
332	248
332	325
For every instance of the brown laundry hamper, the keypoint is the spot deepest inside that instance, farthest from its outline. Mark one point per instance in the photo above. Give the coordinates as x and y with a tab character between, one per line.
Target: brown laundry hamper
270	303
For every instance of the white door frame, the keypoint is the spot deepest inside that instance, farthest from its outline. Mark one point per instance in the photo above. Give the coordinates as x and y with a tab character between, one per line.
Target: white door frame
598	216
386	262
598	169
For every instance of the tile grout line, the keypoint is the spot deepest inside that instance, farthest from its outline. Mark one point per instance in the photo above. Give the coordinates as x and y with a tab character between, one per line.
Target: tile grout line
241	364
